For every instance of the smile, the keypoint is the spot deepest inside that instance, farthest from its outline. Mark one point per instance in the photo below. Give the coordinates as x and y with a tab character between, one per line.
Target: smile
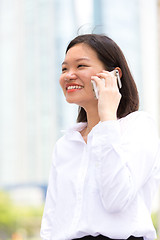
74	87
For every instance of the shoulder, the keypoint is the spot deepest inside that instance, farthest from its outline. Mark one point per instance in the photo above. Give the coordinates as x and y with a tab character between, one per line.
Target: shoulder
137	117
139	122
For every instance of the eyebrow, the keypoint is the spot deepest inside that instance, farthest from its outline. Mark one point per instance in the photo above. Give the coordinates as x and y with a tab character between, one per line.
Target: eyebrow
79	59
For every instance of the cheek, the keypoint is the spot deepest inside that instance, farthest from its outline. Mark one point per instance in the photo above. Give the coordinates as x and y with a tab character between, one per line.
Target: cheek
61	81
62	84
87	77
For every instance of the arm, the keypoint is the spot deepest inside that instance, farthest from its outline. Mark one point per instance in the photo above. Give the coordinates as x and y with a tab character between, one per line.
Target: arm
124	162
46	225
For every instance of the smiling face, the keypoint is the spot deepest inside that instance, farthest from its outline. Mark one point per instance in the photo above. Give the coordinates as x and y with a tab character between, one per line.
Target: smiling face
80	63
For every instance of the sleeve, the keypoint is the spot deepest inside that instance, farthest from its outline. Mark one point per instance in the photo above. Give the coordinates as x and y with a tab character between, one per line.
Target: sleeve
46	224
125	162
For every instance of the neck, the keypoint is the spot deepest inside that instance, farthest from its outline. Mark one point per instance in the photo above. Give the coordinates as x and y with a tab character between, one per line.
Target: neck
92	118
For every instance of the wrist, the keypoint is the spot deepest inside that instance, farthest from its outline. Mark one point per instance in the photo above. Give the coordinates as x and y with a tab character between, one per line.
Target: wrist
108	117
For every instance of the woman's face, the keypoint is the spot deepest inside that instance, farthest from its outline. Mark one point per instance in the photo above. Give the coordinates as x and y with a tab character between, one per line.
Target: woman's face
80	63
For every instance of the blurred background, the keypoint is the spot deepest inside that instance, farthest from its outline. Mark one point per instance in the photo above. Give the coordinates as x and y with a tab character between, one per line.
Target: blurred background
33	111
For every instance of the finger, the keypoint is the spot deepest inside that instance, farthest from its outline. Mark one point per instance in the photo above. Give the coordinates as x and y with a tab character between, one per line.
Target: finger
99	82
110	78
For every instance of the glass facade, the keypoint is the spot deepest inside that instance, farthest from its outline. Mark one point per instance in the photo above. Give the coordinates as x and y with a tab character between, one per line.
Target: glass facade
28	106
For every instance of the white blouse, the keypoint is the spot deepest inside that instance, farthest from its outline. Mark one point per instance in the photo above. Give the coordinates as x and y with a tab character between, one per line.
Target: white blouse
107	185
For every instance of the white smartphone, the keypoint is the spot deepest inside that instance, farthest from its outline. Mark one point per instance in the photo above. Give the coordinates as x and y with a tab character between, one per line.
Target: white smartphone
116	73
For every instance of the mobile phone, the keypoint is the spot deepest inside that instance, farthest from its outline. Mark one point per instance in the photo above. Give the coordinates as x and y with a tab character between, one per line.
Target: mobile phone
119	83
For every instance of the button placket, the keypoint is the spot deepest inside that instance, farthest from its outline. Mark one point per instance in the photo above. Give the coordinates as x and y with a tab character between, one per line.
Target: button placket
80	187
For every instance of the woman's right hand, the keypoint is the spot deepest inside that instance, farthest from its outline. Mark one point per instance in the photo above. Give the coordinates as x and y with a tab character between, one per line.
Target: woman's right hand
109	95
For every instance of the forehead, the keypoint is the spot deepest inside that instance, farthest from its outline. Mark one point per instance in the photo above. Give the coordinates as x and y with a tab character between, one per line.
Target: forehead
81	50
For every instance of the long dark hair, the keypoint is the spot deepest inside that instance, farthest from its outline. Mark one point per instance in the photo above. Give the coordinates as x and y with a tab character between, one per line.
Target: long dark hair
111	56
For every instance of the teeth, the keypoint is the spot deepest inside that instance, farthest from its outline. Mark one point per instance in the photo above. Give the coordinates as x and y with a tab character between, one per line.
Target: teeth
74	87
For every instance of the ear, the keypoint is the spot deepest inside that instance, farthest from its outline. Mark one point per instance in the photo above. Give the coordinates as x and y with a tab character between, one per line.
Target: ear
120	71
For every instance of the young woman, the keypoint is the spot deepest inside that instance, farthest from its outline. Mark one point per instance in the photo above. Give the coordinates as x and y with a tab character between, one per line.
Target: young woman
105	169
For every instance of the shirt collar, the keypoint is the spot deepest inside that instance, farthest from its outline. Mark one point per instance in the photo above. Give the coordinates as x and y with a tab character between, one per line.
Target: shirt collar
73	133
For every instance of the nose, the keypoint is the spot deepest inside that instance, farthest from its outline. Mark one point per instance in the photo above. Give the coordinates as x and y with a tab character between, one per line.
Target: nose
70	76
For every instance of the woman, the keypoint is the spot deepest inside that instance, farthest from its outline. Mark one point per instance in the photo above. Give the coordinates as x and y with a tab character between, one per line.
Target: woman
105	169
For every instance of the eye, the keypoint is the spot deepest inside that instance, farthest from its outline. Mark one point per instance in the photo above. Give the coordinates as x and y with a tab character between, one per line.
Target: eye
82	65
64	69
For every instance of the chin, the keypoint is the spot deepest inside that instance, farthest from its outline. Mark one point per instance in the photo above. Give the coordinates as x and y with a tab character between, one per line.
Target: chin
81	101
71	100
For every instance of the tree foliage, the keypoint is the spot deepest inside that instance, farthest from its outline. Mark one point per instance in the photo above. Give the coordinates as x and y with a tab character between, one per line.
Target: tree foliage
14	217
